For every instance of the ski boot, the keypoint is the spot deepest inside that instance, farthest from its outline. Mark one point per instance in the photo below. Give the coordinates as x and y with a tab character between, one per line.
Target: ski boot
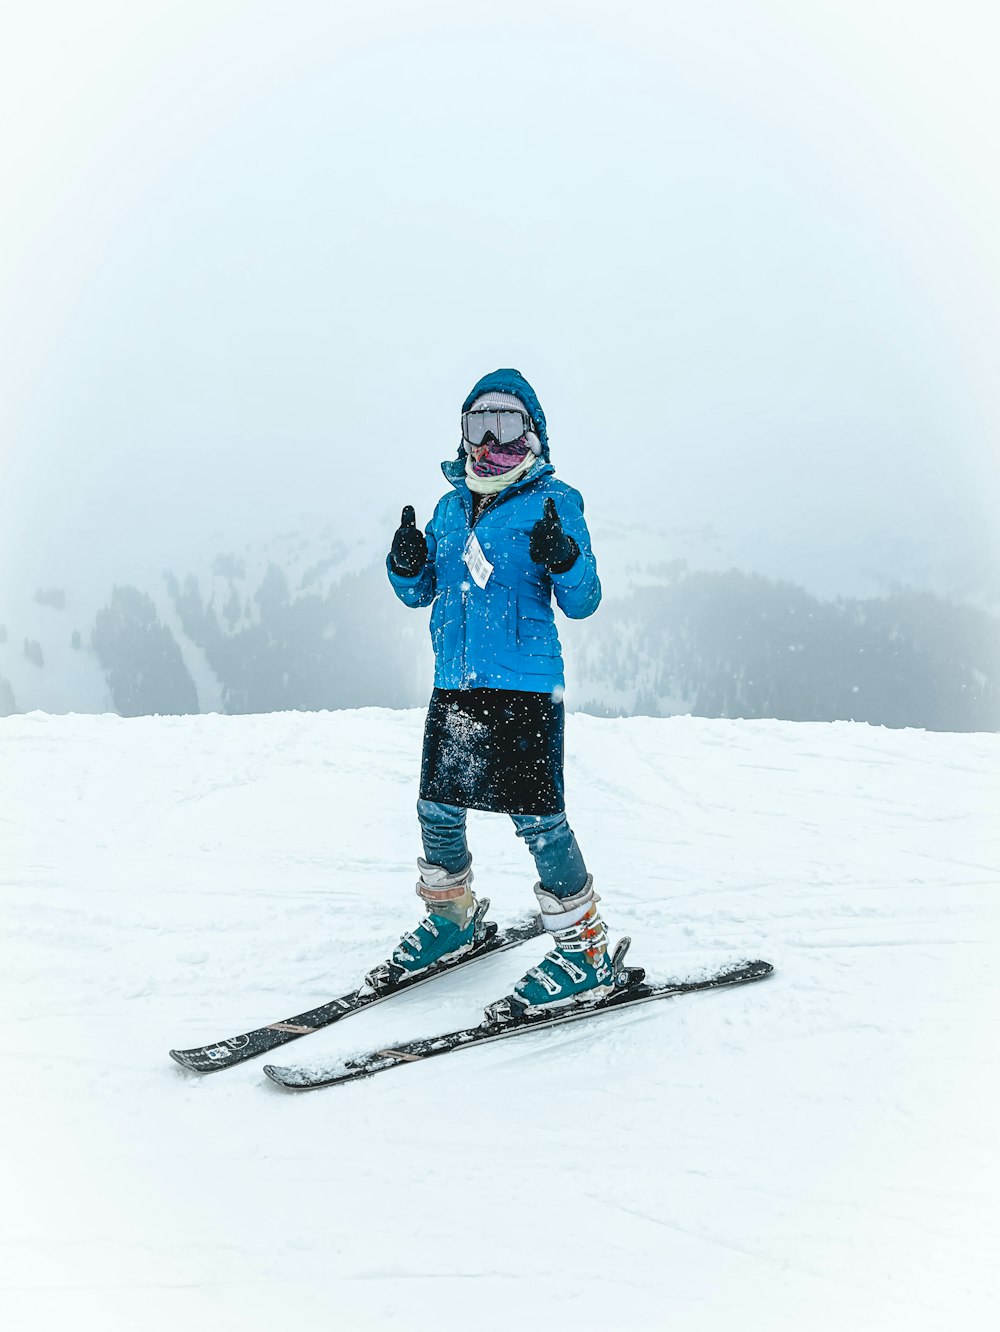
576	973
450	928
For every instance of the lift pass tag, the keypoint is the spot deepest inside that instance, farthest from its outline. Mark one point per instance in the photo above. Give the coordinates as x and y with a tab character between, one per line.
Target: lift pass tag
477	563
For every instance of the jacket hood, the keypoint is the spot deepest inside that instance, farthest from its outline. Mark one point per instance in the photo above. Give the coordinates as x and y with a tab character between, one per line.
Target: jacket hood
511	381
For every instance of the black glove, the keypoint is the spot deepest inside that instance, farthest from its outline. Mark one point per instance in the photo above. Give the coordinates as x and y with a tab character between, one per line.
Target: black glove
550	545
409	546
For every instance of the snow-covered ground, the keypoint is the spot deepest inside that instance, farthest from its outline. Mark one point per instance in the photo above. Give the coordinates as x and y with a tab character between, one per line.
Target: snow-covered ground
817	1151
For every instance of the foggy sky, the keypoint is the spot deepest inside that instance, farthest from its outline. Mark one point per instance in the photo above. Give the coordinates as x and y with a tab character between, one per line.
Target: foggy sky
252	257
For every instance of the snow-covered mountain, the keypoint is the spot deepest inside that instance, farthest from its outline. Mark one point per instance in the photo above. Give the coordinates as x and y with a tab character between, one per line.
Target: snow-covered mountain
67	675
816	1151
306	620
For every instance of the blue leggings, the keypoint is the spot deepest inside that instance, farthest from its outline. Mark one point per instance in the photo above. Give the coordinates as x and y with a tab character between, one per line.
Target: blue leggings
549	838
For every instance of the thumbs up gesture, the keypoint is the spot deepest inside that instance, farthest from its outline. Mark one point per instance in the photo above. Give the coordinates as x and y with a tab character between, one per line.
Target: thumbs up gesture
550	545
409	545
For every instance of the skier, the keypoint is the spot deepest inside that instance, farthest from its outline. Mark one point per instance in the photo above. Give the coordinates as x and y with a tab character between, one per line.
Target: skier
505	539
502	542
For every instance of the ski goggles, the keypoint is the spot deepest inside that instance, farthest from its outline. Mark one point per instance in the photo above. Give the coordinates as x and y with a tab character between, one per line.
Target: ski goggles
504	426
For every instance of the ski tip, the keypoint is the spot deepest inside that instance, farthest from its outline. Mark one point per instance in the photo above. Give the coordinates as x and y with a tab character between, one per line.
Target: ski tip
733	974
751	971
208	1060
183	1057
289	1078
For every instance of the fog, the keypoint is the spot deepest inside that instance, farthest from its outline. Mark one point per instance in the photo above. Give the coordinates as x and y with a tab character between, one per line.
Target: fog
253	256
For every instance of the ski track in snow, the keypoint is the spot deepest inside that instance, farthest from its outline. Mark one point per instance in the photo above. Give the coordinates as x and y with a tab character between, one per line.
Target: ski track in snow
818	1150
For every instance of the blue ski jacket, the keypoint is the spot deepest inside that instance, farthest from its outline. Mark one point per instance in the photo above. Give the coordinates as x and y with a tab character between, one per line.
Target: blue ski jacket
503	635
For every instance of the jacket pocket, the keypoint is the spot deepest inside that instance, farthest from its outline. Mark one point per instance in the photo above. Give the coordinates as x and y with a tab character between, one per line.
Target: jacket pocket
535	625
446	626
492	623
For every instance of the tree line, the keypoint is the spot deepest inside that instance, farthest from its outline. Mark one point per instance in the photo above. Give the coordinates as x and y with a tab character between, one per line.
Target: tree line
711	644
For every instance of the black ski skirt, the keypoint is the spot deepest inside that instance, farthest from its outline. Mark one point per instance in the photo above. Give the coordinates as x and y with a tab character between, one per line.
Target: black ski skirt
494	749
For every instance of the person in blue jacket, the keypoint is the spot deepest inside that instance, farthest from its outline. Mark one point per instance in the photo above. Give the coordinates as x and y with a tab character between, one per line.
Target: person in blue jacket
506	539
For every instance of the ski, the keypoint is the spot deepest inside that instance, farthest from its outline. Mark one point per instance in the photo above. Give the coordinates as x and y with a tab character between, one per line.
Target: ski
233	1050
507	1019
